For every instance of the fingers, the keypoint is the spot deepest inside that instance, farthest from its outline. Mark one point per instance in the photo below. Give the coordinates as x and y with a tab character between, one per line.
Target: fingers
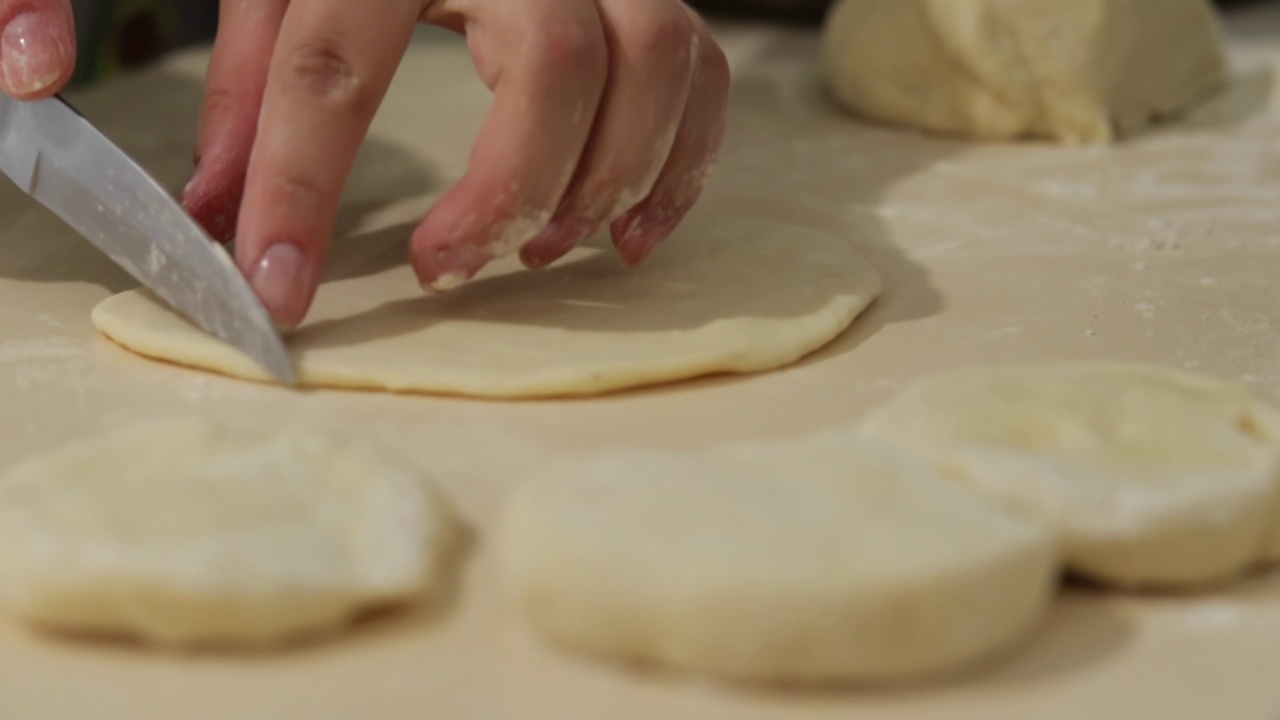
37	47
546	61
329	71
691	162
651	53
234	87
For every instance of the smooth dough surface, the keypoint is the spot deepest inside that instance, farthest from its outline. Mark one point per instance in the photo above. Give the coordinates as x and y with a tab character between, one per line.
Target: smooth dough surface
189	534
816	561
1150	477
727	293
1078	71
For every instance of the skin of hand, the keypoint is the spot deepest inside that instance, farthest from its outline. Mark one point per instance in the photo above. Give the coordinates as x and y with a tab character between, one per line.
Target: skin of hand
605	112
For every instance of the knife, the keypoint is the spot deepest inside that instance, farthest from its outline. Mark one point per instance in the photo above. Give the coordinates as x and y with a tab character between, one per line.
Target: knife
55	155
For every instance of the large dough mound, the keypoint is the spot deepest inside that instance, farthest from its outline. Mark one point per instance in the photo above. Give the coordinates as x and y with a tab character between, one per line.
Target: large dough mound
1079	71
817	561
727	293
1149	477
187	534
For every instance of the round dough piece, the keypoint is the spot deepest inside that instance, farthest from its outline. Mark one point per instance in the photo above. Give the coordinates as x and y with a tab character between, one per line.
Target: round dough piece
728	293
1079	71
1149	477
185	533
820	561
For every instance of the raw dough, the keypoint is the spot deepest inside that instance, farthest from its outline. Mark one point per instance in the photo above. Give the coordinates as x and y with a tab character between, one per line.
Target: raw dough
726	294
1079	71
185	533
815	561
1150	477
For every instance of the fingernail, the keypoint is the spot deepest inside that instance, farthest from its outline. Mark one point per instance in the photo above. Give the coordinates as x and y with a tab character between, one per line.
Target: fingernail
555	241
637	234
32	54
453	266
283	279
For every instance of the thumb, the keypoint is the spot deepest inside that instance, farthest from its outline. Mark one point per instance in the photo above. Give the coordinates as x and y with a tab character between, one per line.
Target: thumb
37	47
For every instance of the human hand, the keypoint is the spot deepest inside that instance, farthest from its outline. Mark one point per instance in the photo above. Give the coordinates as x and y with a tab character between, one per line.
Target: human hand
605	112
37	47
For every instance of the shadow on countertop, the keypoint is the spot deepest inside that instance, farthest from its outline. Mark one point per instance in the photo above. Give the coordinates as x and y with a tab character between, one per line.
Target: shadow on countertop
153	117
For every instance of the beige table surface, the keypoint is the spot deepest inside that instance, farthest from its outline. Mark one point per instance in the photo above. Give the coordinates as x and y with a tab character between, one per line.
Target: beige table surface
1165	249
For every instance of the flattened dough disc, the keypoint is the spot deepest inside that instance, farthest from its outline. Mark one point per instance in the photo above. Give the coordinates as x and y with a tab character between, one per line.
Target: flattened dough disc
186	533
821	560
1150	477
725	294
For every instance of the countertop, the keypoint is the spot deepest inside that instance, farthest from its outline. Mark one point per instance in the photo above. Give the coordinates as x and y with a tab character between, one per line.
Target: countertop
1163	249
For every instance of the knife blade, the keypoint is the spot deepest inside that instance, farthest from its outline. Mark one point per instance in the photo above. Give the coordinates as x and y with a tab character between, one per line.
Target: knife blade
59	158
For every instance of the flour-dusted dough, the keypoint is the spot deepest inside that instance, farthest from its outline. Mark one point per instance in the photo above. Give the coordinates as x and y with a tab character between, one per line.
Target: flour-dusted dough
728	293
1079	71
815	561
1150	477
189	534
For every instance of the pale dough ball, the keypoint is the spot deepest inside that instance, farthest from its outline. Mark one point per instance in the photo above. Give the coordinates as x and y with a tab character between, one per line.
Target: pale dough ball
817	561
1149	477
189	534
1078	71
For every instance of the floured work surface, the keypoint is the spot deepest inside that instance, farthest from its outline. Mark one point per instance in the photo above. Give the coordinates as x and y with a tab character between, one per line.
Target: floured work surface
1162	250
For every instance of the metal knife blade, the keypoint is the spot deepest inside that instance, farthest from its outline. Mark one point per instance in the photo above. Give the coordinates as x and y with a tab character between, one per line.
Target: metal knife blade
55	155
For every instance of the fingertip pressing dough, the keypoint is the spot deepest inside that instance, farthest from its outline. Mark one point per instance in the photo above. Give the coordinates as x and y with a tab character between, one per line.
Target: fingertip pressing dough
1149	477
188	534
817	561
727	293
1076	71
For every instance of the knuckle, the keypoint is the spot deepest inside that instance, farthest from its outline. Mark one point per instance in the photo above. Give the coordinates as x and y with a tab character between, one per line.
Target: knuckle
663	35
300	192
574	51
324	69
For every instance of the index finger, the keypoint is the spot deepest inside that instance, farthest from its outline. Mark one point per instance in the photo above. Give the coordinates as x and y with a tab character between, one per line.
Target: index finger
330	70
